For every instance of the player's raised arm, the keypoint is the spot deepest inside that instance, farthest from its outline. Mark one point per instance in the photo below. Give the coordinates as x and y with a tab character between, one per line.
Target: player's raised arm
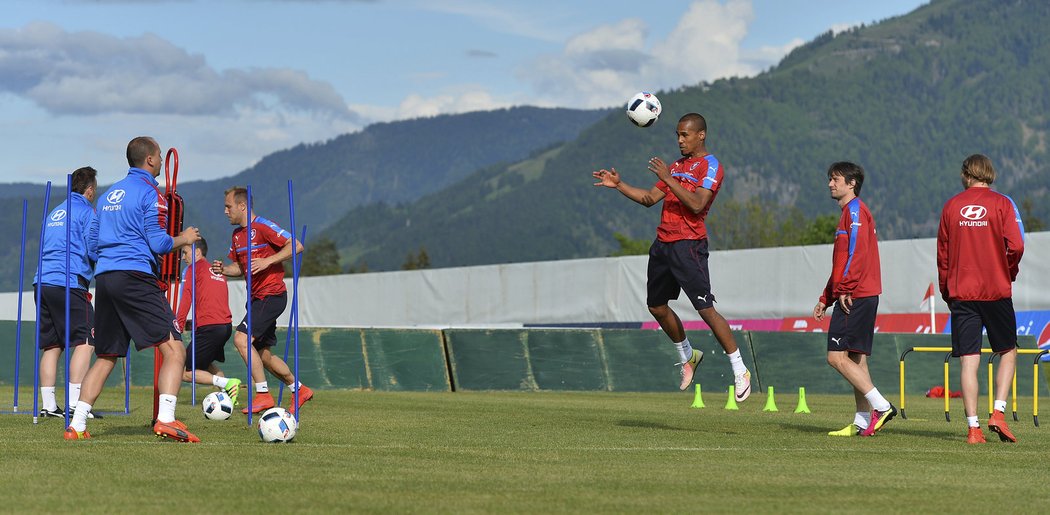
611	179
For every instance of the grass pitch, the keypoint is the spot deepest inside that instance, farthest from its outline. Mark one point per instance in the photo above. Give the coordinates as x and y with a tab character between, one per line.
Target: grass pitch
525	452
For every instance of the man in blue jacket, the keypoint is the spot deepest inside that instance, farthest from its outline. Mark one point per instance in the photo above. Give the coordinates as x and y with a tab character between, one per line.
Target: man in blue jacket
129	234
50	281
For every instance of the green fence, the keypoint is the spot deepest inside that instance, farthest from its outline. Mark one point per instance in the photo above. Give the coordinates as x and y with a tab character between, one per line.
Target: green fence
558	359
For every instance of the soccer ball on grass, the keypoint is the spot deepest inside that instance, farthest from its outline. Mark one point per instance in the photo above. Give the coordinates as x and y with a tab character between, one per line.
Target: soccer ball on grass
217	406
277	425
643	109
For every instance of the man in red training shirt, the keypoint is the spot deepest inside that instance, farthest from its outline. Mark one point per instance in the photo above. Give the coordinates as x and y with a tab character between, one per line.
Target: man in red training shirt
211	309
979	247
853	289
678	257
270	246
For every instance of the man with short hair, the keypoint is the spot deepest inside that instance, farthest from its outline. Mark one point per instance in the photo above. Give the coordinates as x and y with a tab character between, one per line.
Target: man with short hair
209	297
979	246
130	235
50	281
678	256
269	246
854	287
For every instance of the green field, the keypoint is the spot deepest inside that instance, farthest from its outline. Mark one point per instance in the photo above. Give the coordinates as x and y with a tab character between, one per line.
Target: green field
526	452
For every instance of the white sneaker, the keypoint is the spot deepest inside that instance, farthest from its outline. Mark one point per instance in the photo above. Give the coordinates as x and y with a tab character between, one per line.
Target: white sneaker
743	386
689	368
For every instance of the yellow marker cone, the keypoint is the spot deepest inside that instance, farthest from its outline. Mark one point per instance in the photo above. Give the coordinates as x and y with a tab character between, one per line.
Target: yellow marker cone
802	406
731	401
771	405
698	399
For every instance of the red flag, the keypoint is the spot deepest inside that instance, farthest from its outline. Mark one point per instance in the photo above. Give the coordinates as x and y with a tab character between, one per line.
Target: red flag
928	297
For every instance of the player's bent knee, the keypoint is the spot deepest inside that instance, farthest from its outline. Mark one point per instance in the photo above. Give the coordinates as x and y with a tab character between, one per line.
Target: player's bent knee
659	311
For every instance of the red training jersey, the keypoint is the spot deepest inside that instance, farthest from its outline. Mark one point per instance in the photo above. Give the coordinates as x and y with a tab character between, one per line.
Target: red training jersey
267	239
678	222
855	267
212	296
979	245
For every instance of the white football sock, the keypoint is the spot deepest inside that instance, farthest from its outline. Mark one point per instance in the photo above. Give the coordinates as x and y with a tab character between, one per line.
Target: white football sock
684	350
166	411
79	421
47	397
1000	405
219	381
262	387
877	401
972	422
862	419
294	386
74	394
737	361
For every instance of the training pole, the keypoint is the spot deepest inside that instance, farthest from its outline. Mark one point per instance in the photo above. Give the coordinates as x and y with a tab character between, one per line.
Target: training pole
294	317
69	225
193	325
295	313
39	294
21	284
248	304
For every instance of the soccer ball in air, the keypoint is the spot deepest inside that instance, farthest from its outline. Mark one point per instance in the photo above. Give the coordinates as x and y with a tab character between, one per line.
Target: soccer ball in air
217	406
643	109
277	425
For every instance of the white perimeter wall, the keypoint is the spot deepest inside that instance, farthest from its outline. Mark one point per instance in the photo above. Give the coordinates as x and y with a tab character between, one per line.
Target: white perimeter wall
748	284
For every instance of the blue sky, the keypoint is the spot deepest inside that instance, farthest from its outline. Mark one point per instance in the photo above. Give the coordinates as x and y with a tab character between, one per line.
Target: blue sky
227	82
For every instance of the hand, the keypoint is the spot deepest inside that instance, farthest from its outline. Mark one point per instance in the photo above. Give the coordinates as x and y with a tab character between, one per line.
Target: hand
216	267
189	236
818	311
845	302
260	264
607	178
660	169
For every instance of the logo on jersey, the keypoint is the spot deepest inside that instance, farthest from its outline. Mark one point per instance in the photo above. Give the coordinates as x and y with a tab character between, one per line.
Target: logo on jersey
973	215
114	198
252	237
58	216
973	212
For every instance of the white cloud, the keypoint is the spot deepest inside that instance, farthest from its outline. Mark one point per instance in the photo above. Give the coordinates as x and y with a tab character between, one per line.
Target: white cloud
88	73
605	65
461	101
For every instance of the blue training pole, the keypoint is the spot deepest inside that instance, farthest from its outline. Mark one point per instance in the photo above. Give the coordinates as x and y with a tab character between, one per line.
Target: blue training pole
21	284
292	317
248	305
69	225
193	328
39	294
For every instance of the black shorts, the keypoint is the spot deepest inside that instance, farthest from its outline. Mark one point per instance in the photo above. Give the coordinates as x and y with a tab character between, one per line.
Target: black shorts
996	316
52	317
210	342
264	320
676	266
130	305
853	332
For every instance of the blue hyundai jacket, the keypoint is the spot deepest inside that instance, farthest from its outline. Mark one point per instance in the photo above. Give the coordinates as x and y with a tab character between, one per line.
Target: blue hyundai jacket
53	260
130	227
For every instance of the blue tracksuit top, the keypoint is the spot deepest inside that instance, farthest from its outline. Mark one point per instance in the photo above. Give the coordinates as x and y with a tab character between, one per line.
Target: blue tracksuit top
53	261
130	227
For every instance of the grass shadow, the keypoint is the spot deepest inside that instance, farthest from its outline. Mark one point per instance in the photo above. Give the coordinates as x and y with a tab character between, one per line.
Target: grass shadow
647	424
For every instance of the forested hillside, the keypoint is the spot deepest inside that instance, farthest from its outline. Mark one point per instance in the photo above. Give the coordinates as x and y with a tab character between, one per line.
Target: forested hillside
908	98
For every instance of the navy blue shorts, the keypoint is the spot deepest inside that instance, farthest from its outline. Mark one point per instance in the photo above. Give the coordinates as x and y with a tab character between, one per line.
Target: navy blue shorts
853	332
52	317
264	320
130	305
970	316
677	266
210	342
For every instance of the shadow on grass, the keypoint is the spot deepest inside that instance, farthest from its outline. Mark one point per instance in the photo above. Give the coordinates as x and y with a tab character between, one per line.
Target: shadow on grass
947	434
653	425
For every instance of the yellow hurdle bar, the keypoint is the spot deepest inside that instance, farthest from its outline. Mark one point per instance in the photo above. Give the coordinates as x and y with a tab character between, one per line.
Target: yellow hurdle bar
991	387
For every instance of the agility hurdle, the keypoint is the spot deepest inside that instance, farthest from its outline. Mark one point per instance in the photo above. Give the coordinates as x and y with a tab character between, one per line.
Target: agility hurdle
948	354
